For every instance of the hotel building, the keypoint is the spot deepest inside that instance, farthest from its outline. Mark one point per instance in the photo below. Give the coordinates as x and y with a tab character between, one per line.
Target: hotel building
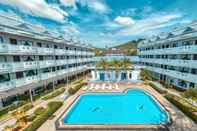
172	57
31	57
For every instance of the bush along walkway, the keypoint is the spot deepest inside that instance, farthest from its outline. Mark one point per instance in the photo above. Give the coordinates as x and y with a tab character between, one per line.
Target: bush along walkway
10	120
176	99
39	105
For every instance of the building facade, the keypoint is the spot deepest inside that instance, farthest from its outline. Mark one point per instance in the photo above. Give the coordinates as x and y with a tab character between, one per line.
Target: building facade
172	57
31	56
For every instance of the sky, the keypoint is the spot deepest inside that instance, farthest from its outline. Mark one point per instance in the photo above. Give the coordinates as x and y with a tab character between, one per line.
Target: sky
104	23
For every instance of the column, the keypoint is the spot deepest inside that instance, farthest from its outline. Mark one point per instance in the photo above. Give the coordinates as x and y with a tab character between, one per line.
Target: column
1	103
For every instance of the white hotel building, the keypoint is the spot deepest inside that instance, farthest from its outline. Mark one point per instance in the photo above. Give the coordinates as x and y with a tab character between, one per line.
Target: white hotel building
32	57
172	57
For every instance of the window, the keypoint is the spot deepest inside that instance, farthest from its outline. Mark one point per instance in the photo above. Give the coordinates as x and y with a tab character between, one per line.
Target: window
16	58
13	41
4	78
1	39
41	58
195	57
39	44
19	75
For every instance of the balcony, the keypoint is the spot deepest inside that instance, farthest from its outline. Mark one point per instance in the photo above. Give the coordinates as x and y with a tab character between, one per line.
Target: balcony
175	74
176	50
45	51
172	62
47	63
17	49
60	52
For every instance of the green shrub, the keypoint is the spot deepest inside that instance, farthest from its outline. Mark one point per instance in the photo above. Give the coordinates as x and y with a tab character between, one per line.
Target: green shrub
4	111
40	119
27	107
157	88
146	74
39	111
30	118
11	107
184	106
74	89
54	94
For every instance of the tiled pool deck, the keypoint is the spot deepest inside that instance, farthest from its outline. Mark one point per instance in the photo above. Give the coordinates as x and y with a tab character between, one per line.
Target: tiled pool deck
179	122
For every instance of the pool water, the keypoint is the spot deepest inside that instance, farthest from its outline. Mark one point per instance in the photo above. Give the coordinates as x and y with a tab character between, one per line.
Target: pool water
132	107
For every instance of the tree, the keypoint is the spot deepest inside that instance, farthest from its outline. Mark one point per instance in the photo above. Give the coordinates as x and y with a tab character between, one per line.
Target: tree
20	116
117	64
126	63
103	64
191	93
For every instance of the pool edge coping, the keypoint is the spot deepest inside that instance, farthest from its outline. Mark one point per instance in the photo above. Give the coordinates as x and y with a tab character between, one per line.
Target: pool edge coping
60	125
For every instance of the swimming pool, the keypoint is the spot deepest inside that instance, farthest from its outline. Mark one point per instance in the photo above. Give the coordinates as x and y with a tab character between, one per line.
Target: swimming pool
132	107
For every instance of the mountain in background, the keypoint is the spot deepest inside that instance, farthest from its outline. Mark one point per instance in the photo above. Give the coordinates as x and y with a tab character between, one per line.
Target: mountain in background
128	48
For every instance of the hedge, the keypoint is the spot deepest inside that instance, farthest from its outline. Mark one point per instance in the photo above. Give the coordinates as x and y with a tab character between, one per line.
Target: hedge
157	88
74	89
54	94
9	108
40	119
39	111
183	105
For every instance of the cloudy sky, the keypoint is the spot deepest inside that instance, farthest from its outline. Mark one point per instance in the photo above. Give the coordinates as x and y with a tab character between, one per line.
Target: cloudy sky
104	22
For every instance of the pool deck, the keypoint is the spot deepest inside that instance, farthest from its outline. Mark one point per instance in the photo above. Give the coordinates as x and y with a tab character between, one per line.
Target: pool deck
179	122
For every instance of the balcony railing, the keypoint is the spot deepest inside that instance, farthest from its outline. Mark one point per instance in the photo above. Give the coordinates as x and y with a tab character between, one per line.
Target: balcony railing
176	50
172	62
15	83
6	67
176	74
6	48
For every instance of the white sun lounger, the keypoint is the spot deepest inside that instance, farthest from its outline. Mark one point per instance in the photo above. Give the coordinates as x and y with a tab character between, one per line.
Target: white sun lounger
116	87
103	87
110	87
97	87
85	88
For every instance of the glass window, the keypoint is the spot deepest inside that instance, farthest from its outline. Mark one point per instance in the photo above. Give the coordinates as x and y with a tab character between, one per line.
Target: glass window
19	75
1	39
13	41
4	78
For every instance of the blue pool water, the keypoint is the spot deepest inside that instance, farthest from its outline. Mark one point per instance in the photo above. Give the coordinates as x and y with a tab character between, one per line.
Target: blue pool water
134	107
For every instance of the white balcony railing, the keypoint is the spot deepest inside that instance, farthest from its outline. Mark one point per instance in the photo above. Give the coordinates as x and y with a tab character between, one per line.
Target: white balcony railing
176	50
176	74
172	62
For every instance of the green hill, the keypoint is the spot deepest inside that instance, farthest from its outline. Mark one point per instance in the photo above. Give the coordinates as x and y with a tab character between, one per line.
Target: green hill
128	48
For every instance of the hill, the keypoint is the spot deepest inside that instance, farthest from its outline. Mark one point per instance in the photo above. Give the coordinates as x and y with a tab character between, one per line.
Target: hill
128	48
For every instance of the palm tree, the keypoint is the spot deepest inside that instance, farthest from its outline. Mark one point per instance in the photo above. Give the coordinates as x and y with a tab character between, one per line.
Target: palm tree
126	63
103	64
117	64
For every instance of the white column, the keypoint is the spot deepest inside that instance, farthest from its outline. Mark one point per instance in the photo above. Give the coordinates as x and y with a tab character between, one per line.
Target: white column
93	74
1	103
128	72
97	75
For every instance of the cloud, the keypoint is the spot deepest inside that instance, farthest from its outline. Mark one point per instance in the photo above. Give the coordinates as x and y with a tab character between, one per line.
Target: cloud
69	3
125	21
38	8
98	6
151	23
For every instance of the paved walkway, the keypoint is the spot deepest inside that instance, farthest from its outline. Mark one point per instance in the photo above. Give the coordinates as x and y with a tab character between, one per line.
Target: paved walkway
174	92
11	120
